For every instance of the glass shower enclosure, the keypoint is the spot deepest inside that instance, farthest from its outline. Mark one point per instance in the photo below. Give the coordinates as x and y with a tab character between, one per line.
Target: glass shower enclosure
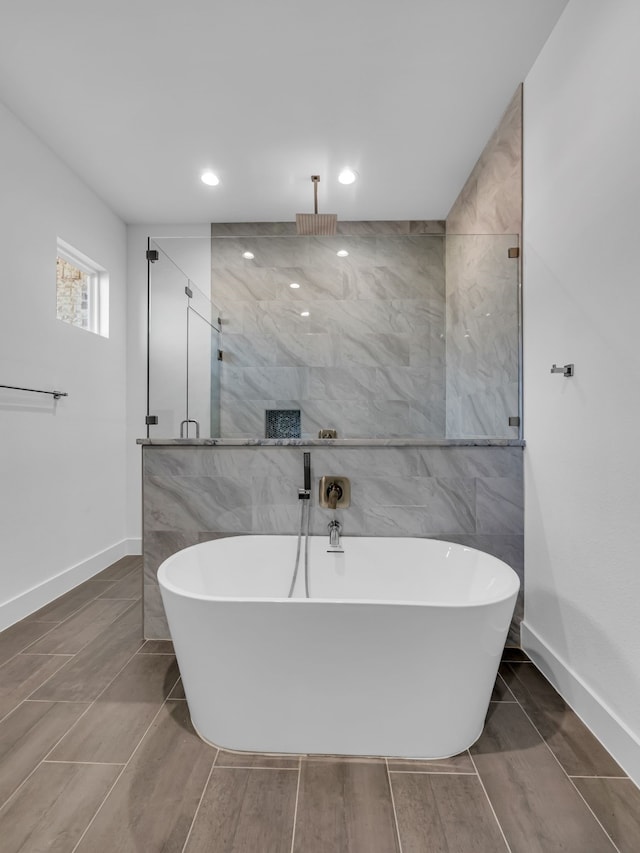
373	336
183	345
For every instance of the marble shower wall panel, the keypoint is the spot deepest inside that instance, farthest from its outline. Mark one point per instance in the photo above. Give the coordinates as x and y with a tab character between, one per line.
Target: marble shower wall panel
491	200
367	361
471	495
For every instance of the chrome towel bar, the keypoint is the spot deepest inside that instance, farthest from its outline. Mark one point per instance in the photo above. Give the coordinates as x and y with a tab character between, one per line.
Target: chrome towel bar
55	394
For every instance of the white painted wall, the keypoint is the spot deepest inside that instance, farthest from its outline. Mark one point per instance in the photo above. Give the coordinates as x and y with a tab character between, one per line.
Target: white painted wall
62	465
582	305
189	246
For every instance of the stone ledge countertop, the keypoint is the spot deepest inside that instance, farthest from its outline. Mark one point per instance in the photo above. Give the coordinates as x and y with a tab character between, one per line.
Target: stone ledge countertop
331	442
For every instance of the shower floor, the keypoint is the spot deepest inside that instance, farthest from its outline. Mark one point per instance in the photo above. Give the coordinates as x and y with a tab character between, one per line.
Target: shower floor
97	754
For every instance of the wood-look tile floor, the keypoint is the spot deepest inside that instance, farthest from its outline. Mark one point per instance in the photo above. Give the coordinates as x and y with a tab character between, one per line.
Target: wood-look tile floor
97	754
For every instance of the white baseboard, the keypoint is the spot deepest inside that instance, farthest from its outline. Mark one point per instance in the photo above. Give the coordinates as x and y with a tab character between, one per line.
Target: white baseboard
22	605
613	734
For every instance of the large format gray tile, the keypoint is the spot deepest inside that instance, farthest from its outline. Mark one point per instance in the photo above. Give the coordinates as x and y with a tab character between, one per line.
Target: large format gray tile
120	569
70	636
444	813
579	752
537	806
501	692
244	811
71	601
156	647
499	505
616	804
129	587
111	729
178	691
344	806
86	675
53	808
28	734
21	635
23	674
152	805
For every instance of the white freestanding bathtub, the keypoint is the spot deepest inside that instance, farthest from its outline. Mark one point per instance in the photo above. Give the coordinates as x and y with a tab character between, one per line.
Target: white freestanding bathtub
395	652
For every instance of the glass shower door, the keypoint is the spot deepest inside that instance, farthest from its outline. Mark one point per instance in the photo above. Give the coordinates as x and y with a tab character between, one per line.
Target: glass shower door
167	351
183	343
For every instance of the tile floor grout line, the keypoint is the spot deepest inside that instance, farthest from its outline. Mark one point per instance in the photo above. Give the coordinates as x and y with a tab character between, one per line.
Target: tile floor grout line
60	701
295	808
66	618
22	701
575	787
204	790
42	760
118	777
46	654
29	699
117	598
73	656
58	624
91	704
493	811
435	772
253	767
105	763
393	805
581	776
510	691
67	701
33	642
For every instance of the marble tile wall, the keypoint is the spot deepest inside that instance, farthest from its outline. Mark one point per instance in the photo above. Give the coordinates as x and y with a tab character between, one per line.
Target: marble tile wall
368	360
482	333
470	495
491	200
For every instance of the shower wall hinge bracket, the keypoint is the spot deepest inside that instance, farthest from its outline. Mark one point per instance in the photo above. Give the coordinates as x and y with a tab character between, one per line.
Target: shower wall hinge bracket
151	420
189	292
514	252
514	421
152	255
219	355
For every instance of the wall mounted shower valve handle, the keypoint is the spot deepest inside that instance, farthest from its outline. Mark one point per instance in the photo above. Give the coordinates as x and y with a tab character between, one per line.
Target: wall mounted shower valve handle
566	369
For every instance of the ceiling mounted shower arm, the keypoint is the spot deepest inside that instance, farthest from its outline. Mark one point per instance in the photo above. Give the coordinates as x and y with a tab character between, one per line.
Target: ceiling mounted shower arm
316	180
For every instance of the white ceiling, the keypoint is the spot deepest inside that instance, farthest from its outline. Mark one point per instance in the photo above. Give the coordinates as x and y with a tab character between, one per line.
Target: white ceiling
139	96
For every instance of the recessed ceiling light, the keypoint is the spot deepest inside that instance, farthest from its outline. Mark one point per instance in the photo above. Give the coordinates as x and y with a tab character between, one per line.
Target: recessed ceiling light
294	285
342	253
209	178
248	255
347	176
304	313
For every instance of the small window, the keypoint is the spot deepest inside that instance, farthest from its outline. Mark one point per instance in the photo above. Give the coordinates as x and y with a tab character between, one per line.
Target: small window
82	291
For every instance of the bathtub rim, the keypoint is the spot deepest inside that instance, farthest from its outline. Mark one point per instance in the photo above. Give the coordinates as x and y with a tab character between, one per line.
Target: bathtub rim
172	588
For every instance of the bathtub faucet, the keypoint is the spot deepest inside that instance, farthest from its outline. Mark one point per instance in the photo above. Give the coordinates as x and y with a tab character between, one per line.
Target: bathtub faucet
334	535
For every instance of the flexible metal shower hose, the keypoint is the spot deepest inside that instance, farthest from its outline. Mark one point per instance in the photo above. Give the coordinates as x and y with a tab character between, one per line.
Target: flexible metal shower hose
301	531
